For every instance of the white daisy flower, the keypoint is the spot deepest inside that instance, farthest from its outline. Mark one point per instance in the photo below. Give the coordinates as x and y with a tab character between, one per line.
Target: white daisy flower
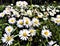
51	43
29	13
58	16
20	23
57	20
18	3
21	4
25	4
2	14
8	29
12	20
27	22
46	33
32	31
7	39
35	22
23	34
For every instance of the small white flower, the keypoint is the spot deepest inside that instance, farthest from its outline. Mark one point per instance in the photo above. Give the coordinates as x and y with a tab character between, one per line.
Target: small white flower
29	13
20	23
32	32
57	20
18	3
35	22
12	20
51	43
8	29
23	34
7	39
25	3
21	4
46	33
2	14
58	16
27	21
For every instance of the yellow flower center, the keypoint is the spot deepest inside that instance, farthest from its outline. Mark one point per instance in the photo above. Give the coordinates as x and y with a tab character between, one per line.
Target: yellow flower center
21	23
8	38
27	21
24	34
46	33
57	21
36	22
31	31
12	20
9	29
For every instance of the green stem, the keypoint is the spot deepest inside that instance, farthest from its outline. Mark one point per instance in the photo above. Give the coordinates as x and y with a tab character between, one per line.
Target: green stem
16	35
31	2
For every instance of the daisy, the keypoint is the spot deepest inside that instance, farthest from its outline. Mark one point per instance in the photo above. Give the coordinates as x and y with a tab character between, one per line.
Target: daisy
32	32
18	3
20	23
29	12
25	4
7	39
57	20
35	22
27	21
23	34
46	33
12	20
8	29
2	14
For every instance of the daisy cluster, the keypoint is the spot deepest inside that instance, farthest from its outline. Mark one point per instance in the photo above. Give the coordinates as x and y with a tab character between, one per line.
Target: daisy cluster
27	19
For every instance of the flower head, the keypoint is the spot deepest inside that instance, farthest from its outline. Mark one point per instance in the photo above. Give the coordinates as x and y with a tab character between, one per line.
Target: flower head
7	39
23	34
35	22
46	33
20	23
12	20
8	29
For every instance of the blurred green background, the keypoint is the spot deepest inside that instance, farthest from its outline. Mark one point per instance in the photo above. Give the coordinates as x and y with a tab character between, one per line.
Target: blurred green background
29	1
